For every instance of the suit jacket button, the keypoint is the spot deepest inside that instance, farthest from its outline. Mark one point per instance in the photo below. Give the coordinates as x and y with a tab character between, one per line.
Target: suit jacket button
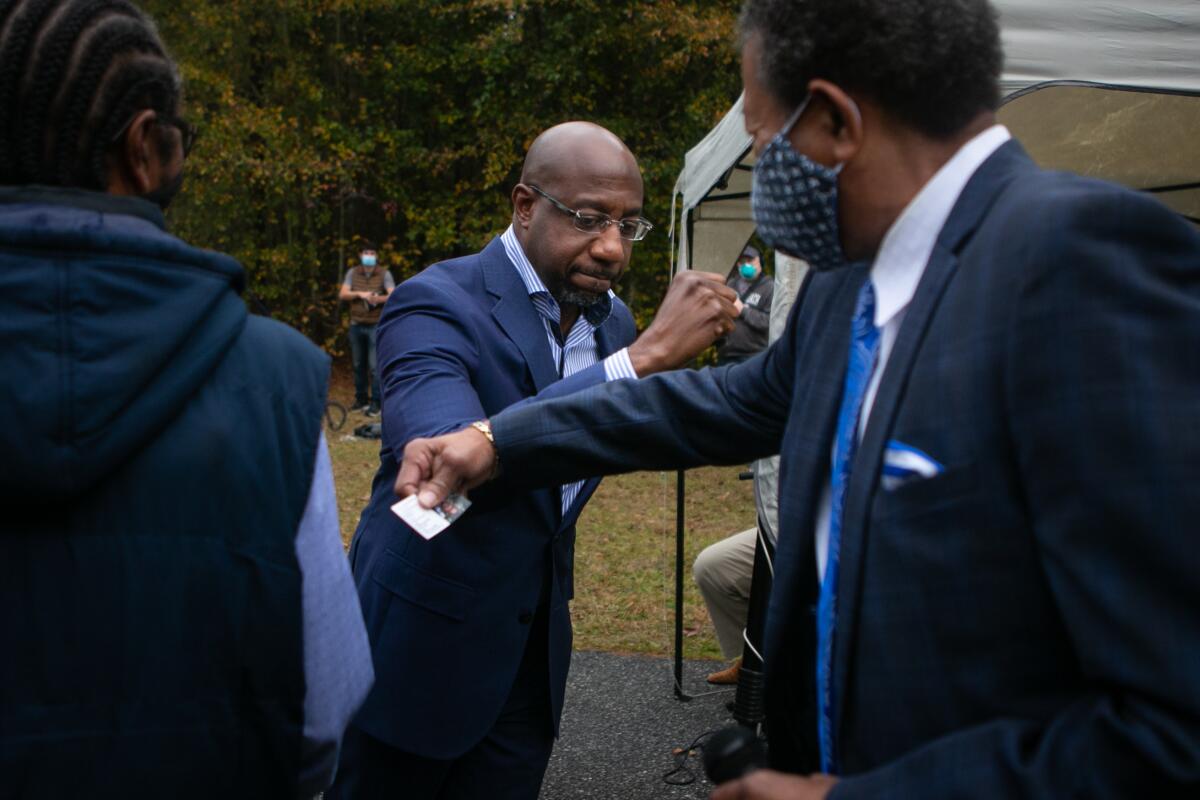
525	617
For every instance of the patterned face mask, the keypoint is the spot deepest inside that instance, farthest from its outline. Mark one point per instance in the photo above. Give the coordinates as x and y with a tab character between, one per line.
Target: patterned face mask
794	201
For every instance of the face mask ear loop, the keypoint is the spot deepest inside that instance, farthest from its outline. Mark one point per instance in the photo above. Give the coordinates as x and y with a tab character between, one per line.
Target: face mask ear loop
837	170
795	117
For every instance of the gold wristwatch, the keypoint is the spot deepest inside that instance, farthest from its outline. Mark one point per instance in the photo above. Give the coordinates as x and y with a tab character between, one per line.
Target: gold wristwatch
485	427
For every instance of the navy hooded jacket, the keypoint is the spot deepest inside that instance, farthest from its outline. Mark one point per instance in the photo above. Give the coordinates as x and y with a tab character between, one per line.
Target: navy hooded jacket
156	451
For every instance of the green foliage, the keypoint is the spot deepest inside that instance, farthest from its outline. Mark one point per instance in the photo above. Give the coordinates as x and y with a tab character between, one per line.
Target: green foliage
405	122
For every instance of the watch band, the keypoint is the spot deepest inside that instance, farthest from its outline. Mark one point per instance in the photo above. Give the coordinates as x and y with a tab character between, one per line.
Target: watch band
484	427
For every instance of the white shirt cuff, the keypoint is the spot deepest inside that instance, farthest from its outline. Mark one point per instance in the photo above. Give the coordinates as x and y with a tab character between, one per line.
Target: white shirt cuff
619	366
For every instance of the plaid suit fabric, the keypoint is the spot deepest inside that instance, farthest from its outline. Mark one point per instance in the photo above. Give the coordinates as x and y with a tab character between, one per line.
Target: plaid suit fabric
1022	624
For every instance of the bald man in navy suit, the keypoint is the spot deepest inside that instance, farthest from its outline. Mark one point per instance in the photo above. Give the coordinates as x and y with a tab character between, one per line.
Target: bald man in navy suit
471	631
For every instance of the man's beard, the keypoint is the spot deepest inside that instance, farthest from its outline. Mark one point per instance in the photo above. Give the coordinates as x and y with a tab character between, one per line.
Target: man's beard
577	297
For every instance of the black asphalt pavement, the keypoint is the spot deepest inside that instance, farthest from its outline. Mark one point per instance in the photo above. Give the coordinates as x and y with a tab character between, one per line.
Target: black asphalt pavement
622	721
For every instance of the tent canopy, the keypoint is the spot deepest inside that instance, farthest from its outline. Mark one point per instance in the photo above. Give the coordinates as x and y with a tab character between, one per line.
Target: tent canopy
1102	89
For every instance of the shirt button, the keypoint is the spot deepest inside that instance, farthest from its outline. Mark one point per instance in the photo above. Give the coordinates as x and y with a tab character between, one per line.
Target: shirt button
525	617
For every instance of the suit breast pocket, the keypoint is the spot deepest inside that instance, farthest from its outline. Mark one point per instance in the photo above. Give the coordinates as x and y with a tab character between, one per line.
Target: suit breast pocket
432	592
928	495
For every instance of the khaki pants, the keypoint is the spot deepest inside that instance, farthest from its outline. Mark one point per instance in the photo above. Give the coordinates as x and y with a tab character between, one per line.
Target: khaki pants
723	571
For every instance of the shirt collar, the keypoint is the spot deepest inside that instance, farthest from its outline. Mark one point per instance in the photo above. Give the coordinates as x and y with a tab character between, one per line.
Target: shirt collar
909	243
595	314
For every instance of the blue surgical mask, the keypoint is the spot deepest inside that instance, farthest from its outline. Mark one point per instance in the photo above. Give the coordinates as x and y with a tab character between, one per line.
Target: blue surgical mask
794	201
749	271
368	261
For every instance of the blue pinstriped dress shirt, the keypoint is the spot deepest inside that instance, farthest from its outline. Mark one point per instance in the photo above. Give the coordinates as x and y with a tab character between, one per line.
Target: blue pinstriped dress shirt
577	350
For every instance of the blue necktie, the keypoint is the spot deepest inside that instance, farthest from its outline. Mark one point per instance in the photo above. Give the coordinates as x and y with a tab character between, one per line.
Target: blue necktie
864	350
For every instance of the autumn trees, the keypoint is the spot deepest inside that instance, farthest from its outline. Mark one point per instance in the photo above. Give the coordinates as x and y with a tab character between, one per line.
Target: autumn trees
404	121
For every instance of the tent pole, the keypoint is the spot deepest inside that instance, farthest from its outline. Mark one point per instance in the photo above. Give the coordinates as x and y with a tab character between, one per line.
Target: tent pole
679	528
679	524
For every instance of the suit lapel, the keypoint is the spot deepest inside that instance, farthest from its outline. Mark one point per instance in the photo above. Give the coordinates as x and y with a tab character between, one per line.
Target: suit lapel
822	332
979	194
868	461
515	314
523	325
605	345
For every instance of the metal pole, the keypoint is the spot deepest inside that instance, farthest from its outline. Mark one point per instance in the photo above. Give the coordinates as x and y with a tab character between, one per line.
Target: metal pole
679	526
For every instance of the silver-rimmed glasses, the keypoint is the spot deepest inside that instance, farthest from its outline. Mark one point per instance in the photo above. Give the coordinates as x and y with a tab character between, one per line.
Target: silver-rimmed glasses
632	228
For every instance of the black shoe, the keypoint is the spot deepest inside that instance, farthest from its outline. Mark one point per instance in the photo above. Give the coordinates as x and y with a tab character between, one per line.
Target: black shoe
372	410
360	405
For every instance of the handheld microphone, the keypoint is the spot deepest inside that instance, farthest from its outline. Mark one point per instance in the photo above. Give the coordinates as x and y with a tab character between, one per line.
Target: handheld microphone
733	752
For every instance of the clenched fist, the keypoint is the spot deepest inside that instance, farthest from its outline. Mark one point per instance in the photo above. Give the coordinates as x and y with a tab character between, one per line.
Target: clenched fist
698	309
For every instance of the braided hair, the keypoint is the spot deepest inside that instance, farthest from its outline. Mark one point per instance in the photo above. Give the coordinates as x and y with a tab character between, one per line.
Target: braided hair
72	74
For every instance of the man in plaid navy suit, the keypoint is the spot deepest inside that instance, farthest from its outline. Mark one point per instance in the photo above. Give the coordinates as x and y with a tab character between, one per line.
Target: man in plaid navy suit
988	578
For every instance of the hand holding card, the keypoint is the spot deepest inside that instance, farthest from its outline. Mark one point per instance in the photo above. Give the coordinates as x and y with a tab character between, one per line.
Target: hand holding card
429	522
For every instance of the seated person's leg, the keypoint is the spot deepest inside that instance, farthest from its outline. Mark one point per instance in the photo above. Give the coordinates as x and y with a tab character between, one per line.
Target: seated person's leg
723	571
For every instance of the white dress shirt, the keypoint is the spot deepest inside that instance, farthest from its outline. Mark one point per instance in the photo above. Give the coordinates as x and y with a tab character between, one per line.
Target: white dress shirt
897	270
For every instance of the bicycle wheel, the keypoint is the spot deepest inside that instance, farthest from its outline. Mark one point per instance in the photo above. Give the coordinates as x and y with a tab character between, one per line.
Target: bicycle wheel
335	415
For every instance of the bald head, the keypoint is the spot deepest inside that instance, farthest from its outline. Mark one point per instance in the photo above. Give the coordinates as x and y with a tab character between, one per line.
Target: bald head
576	173
578	153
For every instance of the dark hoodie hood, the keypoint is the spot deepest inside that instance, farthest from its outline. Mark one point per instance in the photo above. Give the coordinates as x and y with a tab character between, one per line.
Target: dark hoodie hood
108	325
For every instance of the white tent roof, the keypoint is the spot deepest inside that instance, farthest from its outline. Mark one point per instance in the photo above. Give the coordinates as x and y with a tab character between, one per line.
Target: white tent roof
1124	105
1144	44
715	184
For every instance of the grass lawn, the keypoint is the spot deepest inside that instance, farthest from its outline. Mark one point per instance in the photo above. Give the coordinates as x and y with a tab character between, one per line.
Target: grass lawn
625	551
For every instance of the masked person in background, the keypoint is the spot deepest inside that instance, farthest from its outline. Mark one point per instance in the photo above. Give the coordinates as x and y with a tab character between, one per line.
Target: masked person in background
755	289
366	288
176	611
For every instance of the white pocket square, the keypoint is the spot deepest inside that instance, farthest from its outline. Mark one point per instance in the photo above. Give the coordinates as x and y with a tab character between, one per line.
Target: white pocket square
903	463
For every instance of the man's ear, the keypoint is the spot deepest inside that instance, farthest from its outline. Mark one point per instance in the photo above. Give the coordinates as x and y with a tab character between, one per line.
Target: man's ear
522	202
841	120
135	166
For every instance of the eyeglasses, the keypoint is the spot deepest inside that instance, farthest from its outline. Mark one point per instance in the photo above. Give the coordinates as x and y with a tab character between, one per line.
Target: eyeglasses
187	133
632	228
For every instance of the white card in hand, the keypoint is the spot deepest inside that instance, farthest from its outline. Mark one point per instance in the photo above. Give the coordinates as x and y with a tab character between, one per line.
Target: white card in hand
429	522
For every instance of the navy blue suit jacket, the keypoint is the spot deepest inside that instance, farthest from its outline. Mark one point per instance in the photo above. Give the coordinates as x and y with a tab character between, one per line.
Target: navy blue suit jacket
448	618
1026	623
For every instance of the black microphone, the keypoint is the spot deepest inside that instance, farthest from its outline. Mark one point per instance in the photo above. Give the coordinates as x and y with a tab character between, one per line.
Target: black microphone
733	752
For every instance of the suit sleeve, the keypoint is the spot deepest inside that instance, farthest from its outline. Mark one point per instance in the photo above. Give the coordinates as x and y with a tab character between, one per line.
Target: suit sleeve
428	355
673	420
1103	376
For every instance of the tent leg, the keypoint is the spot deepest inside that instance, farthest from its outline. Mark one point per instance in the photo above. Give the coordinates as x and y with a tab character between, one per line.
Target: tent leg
679	528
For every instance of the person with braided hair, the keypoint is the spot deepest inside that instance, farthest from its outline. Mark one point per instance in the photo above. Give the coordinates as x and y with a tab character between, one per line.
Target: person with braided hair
176	609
